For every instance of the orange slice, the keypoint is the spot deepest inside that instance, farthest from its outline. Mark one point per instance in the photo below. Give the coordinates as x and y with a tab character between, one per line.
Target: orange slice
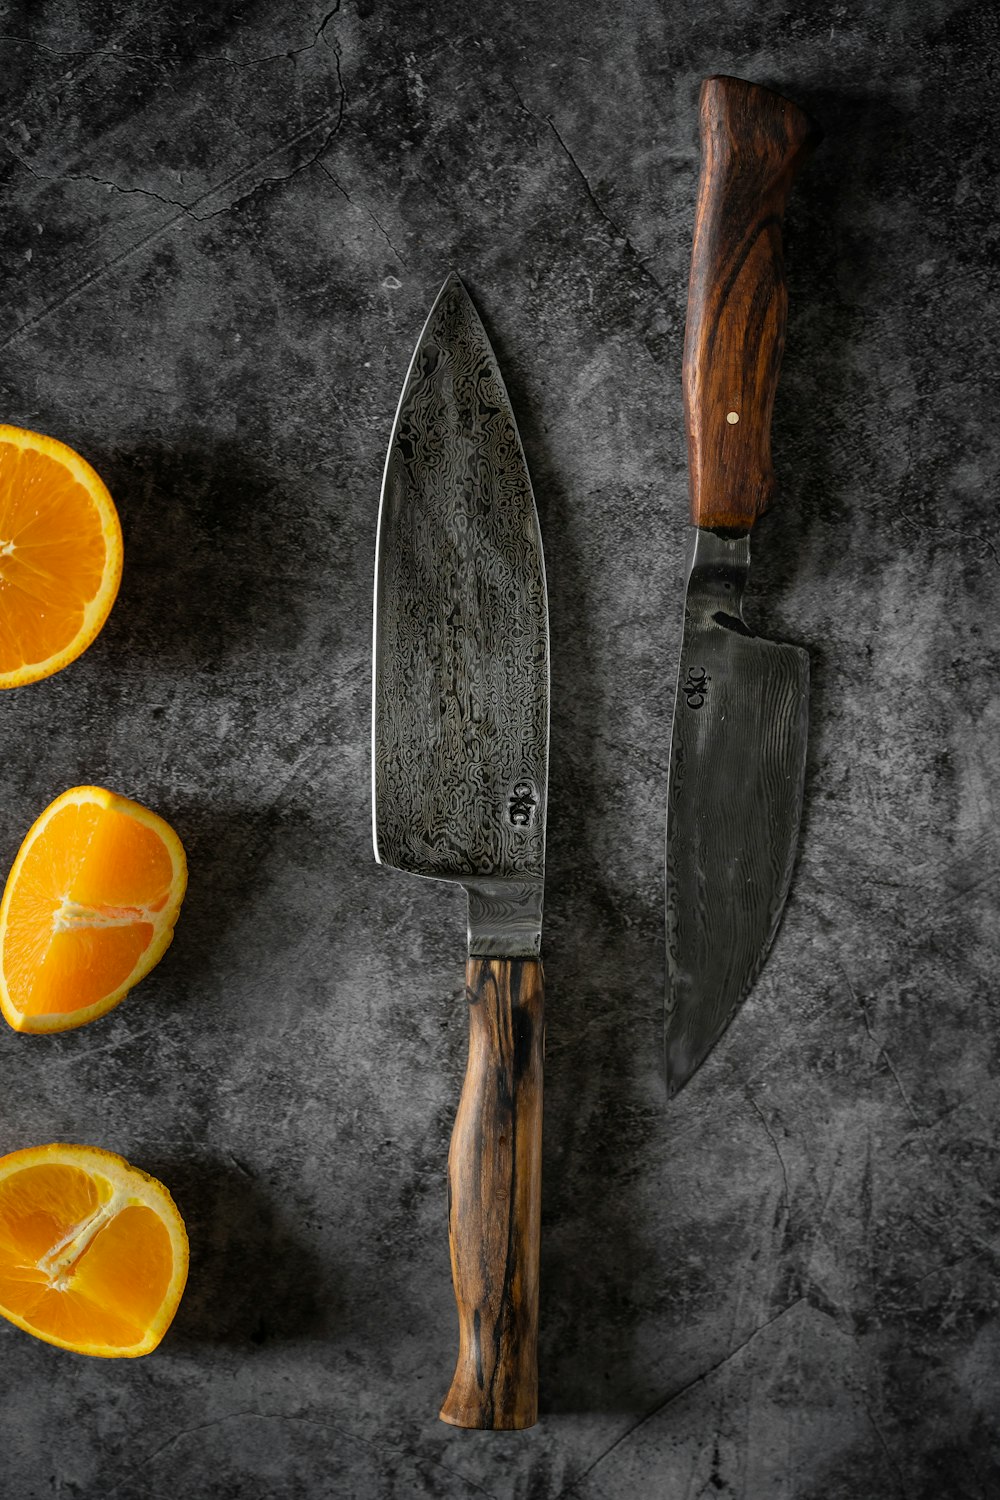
93	1252
89	908
60	555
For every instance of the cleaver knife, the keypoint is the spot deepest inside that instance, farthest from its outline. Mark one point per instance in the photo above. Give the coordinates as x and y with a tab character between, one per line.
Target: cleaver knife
459	766
738	742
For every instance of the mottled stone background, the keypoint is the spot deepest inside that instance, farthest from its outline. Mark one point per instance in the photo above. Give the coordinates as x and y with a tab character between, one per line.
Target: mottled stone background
222	226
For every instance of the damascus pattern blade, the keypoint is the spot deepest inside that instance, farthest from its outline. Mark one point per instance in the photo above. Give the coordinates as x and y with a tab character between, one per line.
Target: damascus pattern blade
461	668
737	764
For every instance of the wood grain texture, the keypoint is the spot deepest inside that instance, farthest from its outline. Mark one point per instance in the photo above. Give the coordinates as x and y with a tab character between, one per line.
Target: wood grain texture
753	142
494	1198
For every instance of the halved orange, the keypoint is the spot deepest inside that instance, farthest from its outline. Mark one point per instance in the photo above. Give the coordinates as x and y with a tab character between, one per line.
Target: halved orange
93	1251
60	555
88	909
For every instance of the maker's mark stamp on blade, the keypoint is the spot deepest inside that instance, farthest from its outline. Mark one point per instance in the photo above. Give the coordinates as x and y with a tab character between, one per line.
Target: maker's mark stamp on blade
522	804
695	687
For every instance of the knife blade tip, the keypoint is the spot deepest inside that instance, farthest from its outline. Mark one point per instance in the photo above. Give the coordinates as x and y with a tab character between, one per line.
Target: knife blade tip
452	288
681	1062
675	1082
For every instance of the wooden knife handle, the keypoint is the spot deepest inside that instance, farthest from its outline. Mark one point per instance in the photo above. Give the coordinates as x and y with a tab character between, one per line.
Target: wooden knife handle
494	1198
752	143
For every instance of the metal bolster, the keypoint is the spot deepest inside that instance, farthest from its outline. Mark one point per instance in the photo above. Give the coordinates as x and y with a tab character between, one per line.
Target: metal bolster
717	571
505	918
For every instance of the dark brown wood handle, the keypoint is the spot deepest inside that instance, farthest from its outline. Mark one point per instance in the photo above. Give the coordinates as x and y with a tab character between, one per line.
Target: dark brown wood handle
494	1198
752	143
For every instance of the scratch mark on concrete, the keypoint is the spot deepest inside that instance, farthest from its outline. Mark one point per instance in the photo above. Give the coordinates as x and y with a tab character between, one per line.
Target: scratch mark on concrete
189	212
267	1416
859	1001
890	1457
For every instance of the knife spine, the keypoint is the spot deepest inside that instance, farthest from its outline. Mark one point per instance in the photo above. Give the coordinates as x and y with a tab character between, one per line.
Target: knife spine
448	283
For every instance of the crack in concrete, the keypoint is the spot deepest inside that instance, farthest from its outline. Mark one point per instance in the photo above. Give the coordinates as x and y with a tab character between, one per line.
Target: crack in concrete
104	182
524	108
770	1135
187	210
321	28
662	1406
289	54
385	236
364	209
619	231
184	211
78	72
87	53
303	166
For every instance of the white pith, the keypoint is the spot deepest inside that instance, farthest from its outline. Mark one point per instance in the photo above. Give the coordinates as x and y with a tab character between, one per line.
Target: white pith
58	1264
71	916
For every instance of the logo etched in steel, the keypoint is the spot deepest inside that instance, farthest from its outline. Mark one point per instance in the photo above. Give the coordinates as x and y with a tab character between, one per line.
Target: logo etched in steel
695	686
521	805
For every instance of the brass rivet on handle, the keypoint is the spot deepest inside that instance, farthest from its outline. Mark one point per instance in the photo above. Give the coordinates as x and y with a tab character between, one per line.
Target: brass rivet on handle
732	417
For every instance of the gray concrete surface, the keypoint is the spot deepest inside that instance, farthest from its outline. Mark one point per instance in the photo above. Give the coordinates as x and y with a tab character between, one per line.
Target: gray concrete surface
222	227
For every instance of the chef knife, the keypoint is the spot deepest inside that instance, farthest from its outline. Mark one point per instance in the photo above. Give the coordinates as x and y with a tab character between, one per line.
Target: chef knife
460	758
738	743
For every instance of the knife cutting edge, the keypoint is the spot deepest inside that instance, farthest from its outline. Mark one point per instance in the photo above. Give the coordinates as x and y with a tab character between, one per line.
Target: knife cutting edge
738	741
460	770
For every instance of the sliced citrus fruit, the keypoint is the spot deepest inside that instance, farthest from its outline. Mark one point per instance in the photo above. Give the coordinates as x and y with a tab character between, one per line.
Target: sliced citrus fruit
60	555
88	909
93	1251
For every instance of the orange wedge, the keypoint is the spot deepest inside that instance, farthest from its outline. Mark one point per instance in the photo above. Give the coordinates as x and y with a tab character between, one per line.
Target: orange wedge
89	908
93	1252
60	555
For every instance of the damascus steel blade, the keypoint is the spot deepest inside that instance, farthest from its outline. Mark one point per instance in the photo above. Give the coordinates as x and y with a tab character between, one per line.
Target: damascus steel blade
737	763
461	668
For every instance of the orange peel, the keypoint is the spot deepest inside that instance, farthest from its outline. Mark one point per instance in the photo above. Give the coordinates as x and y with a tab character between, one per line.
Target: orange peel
60	555
88	909
93	1251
